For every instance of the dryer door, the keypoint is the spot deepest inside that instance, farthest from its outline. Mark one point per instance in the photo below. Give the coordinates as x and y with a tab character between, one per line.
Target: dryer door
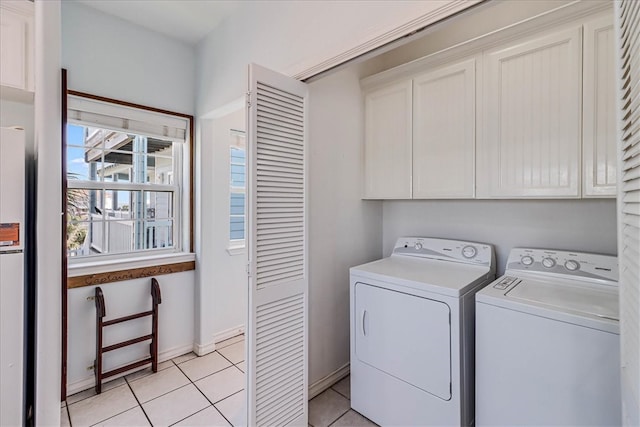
406	336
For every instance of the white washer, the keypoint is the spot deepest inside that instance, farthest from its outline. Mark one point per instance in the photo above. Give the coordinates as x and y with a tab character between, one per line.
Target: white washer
412	329
547	342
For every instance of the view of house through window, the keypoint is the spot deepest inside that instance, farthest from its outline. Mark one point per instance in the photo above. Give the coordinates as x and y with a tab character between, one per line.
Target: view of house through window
237	190
123	193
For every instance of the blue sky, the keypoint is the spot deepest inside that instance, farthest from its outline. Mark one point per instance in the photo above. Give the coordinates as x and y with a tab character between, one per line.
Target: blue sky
75	155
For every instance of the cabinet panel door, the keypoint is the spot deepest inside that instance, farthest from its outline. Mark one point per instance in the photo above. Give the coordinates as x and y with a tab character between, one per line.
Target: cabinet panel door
444	132
532	118
599	115
13	49
387	150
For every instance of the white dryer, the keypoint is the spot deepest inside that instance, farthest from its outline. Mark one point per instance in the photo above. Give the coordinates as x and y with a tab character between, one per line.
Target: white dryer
547	342
412	332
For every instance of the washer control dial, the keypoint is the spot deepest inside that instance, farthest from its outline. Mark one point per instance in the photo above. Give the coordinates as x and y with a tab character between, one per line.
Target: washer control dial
549	262
469	251
418	246
572	265
526	260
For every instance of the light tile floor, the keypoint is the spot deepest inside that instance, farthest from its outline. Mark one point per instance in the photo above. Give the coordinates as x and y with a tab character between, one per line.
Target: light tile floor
193	391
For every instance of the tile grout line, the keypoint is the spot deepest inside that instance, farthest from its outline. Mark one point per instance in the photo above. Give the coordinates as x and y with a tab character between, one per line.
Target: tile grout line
66	407
340	416
205	396
139	404
348	398
108	418
124	378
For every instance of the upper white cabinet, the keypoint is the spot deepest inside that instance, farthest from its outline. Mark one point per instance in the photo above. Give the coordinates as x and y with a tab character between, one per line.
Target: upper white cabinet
599	109
529	115
444	132
387	152
16	45
532	118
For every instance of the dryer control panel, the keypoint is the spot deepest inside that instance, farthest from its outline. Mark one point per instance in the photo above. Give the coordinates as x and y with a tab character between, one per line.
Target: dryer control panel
446	250
577	265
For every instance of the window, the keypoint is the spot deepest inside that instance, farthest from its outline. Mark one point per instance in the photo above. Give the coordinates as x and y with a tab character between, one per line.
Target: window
127	181
237	189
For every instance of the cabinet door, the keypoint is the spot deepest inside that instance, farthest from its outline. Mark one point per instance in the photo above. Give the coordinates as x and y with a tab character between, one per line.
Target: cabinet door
444	132
599	115
387	148
13	50
532	118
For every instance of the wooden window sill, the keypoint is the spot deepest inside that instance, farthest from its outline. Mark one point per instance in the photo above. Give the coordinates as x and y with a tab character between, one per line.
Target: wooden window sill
92	273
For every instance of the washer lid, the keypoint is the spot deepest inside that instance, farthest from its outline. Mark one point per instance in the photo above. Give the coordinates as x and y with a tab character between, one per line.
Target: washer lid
443	277
594	300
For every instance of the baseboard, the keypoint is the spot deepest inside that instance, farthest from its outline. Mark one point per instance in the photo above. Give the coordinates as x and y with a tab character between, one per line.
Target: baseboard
206	348
329	380
87	383
228	333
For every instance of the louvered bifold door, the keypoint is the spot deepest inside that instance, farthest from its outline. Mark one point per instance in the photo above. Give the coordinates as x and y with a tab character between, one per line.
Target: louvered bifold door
277	248
628	43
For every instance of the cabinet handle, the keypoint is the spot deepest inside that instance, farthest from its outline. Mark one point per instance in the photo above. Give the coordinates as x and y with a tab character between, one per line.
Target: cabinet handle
362	320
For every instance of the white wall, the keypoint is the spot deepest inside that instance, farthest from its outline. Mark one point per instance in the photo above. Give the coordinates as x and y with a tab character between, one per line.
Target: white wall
108	56
579	225
344	230
175	324
222	279
290	37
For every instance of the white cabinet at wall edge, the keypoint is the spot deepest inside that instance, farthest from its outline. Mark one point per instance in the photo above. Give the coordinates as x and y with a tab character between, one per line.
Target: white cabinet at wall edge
420	136
444	132
599	110
531	141
387	150
17	45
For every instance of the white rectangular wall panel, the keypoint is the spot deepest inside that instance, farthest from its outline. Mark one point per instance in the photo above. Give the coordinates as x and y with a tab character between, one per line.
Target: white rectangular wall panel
532	118
599	110
277	350
387	147
444	132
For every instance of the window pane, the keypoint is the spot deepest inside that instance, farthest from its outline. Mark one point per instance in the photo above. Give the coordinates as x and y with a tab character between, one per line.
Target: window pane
103	155
122	204
237	204
237	228
119	236
238	167
78	167
158	204
158	234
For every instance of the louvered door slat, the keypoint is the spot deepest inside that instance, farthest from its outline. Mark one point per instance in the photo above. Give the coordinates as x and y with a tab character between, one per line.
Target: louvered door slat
296	102
275	404
277	151
277	349
272	137
277	129
627	14
279	368
286	344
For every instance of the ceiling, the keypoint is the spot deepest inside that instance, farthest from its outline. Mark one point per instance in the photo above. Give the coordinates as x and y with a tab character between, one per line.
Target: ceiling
185	20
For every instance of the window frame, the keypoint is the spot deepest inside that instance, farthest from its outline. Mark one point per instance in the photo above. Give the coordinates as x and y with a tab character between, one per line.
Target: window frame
150	261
